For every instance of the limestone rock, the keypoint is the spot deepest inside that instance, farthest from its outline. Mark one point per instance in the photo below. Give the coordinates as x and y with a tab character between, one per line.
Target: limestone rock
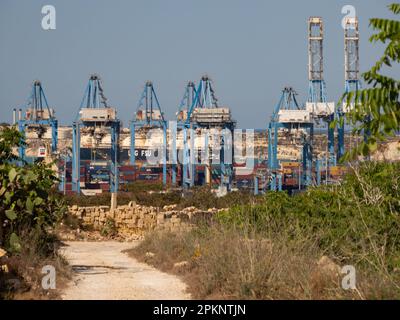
181	265
189	209
170	207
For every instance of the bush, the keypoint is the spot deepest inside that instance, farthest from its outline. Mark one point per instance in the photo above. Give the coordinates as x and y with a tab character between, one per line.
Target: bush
29	208
109	229
26	199
268	249
153	195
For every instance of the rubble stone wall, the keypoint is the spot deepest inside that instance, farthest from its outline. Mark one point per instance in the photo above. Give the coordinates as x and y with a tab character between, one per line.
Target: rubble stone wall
137	219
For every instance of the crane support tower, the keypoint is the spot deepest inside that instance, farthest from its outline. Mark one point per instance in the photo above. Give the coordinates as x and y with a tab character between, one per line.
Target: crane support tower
97	117
205	113
351	74
149	116
38	116
290	117
185	104
317	104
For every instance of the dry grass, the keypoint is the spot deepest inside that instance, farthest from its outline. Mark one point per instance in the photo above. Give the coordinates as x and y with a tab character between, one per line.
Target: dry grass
226	263
24	277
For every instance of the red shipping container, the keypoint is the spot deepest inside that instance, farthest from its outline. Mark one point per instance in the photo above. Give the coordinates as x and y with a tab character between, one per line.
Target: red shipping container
126	168
128	177
126	173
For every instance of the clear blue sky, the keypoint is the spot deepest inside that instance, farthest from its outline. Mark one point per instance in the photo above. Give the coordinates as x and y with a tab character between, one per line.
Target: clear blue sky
251	49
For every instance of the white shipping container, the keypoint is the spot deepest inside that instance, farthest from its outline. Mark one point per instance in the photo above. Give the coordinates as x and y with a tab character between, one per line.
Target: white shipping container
97	114
285	116
320	108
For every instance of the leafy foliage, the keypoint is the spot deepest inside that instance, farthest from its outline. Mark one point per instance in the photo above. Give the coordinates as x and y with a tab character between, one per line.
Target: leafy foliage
377	109
109	229
147	194
10	139
26	198
271	249
357	221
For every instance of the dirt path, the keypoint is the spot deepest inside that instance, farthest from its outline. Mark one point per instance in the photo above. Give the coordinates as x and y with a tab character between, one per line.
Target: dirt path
103	271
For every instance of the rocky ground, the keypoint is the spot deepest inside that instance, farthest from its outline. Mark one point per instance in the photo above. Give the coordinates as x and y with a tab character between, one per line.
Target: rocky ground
101	269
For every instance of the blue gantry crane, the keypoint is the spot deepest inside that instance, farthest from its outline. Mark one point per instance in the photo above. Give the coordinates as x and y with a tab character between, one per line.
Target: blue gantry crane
99	119
317	104
149	116
185	104
289	116
351	74
205	113
38	116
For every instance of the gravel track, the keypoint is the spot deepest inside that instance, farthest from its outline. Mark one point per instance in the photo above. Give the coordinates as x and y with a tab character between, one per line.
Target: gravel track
103	272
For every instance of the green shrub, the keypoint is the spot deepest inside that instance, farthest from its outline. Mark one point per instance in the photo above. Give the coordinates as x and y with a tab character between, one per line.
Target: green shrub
26	197
29	208
268	248
154	195
350	221
109	229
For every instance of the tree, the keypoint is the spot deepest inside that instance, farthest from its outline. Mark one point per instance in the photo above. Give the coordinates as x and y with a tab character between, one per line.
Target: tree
26	199
377	109
9	139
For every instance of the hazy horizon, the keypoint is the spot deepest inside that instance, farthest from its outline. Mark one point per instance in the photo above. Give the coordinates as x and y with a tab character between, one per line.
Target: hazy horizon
251	50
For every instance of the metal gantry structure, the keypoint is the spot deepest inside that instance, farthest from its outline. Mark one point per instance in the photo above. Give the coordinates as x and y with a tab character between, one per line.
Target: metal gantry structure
351	74
317	108
149	116
199	110
184	106
317	99
96	115
288	115
202	114
186	103
38	116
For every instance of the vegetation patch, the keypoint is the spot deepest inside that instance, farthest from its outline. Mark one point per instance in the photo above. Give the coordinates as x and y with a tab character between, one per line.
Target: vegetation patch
29	209
271	249
154	195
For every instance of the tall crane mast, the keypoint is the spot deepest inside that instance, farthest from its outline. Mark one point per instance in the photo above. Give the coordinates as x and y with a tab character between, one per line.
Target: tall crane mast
351	73
316	90
317	99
